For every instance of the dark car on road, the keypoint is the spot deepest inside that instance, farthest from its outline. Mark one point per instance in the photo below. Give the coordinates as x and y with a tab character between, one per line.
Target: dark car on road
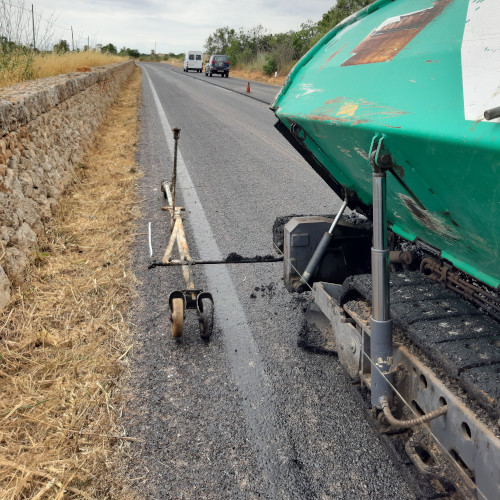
218	64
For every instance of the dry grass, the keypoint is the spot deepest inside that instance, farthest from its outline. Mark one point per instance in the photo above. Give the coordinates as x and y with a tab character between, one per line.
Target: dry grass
18	66
64	338
253	71
55	64
174	61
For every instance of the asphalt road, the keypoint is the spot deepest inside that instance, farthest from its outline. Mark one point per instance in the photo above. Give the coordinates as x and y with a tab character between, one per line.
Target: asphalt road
258	91
248	414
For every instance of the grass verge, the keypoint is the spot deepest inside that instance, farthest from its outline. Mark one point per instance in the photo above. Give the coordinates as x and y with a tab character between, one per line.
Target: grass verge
64	338
18	65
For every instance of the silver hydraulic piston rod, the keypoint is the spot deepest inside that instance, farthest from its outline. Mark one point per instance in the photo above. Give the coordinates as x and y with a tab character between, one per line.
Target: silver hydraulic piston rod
380	322
321	248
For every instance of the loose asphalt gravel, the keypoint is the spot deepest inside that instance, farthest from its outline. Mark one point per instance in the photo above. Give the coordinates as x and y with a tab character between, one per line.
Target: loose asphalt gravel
248	414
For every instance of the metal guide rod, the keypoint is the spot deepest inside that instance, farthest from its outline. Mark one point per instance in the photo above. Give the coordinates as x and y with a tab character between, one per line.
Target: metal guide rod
380	321
194	262
321	248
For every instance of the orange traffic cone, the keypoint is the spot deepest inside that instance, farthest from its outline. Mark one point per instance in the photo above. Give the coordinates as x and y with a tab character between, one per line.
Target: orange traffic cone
248	88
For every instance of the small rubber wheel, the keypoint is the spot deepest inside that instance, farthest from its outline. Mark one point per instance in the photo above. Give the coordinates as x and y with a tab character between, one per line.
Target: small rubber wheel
177	317
206	318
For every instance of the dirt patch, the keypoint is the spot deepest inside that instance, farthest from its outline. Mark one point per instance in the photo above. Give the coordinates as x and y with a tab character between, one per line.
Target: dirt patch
254	76
64	338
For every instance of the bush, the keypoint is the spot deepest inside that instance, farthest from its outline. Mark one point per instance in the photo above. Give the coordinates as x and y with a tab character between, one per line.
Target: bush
271	64
257	63
16	63
61	47
246	56
109	49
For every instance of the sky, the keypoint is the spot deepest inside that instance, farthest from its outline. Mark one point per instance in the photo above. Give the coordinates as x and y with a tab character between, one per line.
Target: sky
170	25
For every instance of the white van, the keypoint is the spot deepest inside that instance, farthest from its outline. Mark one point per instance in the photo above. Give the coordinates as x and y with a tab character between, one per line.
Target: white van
193	60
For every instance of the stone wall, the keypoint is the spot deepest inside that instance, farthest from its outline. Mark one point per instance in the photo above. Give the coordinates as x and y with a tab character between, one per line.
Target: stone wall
45	126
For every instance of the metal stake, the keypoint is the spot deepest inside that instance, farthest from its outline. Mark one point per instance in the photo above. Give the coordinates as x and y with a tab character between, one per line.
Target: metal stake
176	132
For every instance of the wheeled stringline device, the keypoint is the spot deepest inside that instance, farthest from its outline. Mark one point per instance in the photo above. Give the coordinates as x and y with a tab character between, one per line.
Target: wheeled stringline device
190	297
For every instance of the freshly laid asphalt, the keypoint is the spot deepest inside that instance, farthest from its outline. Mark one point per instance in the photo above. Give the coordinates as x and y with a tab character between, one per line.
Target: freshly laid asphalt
248	414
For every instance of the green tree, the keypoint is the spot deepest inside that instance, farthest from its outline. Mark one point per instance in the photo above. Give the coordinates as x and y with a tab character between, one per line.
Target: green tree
61	47
219	41
109	49
343	9
133	53
255	39
301	40
126	52
282	52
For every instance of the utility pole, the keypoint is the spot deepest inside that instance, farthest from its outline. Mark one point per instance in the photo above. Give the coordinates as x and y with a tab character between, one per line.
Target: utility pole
33	23
88	43
72	40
